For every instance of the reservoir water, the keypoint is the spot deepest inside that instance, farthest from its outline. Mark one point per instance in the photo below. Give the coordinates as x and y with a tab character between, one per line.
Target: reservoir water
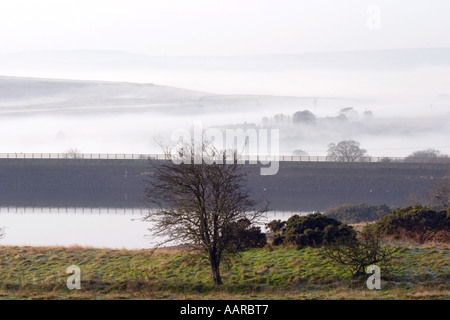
90	227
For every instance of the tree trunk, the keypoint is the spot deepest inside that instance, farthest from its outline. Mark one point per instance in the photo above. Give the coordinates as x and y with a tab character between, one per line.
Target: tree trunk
215	266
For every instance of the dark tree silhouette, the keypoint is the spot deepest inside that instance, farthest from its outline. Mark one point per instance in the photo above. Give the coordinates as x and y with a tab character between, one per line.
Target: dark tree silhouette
346	151
304	116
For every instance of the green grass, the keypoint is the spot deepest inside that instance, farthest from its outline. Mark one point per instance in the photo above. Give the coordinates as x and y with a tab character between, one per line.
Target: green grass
286	273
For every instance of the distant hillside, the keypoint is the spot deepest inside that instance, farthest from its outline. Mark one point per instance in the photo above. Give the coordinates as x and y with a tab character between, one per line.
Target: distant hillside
28	96
341	73
32	95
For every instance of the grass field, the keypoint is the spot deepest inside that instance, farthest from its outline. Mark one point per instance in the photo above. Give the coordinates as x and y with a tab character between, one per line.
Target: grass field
418	272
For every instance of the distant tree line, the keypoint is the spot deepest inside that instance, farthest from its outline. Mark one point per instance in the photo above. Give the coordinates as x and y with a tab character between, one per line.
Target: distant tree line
347	150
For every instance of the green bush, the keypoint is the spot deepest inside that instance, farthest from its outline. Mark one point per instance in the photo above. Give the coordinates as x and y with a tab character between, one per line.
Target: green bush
356	213
311	230
419	224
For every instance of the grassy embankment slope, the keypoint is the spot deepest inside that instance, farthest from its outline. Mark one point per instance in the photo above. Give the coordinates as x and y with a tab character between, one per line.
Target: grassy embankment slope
419	272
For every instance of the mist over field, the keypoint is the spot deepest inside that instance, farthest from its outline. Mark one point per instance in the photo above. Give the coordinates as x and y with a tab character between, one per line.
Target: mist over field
393	102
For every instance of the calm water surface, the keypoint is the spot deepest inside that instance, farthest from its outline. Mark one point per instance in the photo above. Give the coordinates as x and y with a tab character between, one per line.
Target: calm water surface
100	228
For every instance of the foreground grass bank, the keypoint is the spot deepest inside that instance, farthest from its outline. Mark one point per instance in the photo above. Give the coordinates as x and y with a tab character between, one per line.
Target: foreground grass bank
418	272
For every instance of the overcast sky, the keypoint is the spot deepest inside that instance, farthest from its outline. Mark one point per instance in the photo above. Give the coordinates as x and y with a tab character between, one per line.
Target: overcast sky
232	27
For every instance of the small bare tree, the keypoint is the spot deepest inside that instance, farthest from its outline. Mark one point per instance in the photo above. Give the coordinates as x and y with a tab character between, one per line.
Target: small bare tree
197	201
439	195
357	255
72	153
346	151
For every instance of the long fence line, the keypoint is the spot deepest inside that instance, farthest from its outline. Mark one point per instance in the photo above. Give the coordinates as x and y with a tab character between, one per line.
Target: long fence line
258	158
77	210
80	210
102	210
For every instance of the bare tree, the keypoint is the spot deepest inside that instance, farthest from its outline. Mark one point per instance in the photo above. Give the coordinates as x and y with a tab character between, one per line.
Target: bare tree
439	195
197	202
346	151
428	155
357	255
72	153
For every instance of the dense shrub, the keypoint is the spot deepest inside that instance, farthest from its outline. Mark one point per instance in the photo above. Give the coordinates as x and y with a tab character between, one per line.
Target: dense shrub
278	240
356	213
310	230
244	236
276	226
419	224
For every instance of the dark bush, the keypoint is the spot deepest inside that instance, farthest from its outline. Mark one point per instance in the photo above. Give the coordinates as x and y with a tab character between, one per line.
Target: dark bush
276	226
356	213
311	230
244	236
278	240
418	224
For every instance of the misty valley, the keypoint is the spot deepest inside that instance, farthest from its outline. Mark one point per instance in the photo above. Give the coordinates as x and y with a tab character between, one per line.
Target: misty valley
106	166
39	115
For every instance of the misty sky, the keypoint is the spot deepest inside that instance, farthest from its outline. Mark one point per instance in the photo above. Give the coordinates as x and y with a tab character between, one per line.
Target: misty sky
233	27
